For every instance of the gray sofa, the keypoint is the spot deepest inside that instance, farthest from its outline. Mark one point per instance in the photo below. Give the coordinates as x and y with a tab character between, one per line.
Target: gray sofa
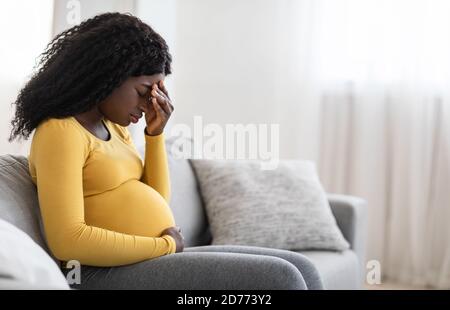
201	266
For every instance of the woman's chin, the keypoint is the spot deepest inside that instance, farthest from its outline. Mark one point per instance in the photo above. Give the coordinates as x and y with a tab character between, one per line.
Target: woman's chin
124	124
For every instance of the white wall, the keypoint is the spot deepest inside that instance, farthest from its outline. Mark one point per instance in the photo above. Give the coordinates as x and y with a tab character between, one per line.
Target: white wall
25	28
87	9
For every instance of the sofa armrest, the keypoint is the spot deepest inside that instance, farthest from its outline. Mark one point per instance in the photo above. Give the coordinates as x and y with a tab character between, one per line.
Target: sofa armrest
351	217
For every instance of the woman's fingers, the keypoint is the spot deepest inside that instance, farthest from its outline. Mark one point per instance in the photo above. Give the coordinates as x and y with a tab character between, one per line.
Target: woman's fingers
156	92
160	93
163	88
169	106
148	109
166	107
169	103
163	100
159	111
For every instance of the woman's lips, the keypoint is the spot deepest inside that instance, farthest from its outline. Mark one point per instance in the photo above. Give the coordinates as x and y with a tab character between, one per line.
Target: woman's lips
134	119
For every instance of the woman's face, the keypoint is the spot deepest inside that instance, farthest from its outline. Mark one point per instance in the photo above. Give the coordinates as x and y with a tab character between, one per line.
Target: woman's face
129	99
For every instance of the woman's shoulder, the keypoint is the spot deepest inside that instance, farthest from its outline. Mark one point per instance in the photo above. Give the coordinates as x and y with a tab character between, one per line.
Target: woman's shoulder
57	127
54	135
56	122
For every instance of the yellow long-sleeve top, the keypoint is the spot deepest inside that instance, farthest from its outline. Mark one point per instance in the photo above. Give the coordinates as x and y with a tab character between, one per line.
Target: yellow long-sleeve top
100	204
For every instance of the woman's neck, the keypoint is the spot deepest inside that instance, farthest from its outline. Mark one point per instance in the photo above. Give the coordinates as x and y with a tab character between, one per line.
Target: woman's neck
90	118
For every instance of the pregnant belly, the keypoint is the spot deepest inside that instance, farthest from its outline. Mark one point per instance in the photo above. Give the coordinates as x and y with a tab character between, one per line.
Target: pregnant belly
132	208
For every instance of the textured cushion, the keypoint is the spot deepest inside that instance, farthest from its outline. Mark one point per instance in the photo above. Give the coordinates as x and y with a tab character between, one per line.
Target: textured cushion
19	203
23	261
284	208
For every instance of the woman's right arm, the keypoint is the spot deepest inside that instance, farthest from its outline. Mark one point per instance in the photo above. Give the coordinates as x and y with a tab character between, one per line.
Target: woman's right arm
59	152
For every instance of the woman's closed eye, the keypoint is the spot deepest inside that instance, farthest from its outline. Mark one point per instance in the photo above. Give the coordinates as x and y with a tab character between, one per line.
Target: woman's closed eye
142	93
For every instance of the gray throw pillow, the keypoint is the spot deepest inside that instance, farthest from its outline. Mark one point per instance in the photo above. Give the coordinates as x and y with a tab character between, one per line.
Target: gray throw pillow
284	208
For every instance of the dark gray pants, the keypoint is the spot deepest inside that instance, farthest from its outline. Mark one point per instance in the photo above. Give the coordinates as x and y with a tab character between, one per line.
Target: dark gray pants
210	267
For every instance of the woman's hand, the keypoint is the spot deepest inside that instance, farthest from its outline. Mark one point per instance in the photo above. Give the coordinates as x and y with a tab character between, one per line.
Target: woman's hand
175	232
159	109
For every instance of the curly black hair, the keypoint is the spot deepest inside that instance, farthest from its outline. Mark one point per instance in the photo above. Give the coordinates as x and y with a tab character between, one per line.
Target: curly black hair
81	66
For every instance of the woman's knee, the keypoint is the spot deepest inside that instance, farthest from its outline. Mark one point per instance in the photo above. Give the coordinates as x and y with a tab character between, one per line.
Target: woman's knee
301	262
235	271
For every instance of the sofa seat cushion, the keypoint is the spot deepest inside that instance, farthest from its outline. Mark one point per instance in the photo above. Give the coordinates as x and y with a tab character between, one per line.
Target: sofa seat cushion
338	270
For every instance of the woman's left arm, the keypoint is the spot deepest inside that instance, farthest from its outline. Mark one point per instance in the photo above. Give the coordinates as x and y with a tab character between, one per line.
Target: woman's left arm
156	169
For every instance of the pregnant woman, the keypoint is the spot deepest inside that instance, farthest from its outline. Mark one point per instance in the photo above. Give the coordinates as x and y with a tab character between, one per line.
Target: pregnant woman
100	203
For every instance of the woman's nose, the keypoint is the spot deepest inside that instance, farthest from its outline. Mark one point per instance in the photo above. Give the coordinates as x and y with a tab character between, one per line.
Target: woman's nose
142	105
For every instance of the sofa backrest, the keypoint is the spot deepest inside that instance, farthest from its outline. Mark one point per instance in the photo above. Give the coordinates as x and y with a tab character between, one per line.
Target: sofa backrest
186	203
18	197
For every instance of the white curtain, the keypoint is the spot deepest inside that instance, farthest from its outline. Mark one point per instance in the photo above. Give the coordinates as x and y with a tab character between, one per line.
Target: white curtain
383	73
